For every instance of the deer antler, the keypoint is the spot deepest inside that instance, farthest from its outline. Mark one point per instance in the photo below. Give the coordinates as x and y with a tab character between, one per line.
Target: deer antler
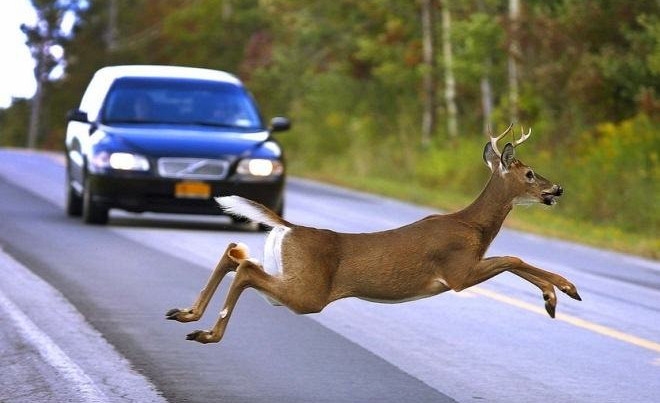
494	140
523	136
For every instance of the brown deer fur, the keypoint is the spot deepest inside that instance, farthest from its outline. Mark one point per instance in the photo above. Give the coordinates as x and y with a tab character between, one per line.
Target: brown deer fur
307	268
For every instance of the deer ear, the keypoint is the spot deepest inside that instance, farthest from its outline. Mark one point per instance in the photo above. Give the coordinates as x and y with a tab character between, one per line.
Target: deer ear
508	155
490	156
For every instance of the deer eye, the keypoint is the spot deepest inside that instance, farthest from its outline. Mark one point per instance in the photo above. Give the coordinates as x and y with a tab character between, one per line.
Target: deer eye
530	175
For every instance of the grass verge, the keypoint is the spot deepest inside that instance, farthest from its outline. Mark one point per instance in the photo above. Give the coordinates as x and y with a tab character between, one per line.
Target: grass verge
540	220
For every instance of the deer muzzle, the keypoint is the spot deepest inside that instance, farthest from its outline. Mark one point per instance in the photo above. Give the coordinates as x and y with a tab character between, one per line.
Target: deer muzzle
550	195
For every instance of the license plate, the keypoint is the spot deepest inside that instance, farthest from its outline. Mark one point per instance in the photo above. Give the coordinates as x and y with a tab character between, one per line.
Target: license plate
192	190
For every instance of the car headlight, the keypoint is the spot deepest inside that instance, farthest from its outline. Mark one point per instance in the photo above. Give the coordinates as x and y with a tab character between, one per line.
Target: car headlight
121	161
259	167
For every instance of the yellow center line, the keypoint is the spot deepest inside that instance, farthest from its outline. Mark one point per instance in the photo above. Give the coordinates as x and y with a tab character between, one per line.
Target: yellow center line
573	320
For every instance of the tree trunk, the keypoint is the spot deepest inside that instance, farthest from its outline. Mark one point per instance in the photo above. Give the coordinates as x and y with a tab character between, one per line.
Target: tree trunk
429	118
486	102
36	104
514	55
112	34
450	82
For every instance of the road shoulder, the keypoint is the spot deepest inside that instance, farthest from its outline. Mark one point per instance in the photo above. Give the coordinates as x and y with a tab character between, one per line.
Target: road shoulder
48	344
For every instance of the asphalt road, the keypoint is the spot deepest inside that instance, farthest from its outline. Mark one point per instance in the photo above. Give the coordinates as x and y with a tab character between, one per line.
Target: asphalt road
83	307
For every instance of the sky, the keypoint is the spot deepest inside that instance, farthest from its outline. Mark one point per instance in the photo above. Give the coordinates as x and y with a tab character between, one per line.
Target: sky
17	68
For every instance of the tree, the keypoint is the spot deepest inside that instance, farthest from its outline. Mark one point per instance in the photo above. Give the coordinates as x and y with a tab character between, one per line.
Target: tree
514	56
429	82
45	40
450	81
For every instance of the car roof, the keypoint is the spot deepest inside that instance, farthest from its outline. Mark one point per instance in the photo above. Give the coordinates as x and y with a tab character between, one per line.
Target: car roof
111	73
103	79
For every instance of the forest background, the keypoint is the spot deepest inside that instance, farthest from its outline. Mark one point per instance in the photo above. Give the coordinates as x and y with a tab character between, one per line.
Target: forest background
394	96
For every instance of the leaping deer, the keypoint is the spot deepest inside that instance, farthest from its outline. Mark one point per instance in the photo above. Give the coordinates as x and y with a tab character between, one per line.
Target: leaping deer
307	268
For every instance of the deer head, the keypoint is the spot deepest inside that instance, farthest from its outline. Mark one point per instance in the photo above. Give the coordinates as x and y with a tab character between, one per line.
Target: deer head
520	181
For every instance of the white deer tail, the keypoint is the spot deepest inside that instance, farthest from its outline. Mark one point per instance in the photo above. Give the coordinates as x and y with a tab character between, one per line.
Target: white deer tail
242	207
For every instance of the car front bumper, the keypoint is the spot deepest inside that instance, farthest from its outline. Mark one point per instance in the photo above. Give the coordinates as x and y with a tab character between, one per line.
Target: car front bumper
141	194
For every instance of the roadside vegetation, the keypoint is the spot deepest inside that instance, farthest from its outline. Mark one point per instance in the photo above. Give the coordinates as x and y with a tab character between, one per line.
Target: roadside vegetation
611	190
394	97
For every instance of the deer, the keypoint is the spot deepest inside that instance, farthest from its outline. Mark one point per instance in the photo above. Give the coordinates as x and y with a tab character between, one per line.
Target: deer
306	268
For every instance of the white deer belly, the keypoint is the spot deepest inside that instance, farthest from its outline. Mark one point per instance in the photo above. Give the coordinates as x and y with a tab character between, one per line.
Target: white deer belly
434	287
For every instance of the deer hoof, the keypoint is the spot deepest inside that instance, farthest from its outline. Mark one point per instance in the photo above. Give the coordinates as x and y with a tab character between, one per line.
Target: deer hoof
550	308
181	315
202	336
571	291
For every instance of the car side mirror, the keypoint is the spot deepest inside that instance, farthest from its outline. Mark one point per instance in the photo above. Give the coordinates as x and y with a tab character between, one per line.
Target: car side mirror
279	124
77	115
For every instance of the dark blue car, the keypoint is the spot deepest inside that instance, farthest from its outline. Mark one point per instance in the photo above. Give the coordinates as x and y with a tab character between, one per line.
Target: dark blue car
169	139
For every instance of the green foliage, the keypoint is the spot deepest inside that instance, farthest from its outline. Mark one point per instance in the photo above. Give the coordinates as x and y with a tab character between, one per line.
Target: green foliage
615	171
349	72
588	61
611	175
14	125
650	36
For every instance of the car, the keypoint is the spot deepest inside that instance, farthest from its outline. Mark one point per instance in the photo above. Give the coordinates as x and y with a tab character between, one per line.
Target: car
168	139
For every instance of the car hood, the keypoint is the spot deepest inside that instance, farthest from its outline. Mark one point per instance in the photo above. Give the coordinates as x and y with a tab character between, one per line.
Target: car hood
156	141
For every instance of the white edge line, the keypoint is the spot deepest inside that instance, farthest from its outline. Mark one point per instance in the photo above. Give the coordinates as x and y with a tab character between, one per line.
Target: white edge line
51	353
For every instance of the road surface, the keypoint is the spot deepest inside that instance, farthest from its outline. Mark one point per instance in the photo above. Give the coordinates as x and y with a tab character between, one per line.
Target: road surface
82	314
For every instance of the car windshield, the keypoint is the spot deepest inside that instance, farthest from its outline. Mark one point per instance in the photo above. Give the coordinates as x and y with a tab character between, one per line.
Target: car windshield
180	101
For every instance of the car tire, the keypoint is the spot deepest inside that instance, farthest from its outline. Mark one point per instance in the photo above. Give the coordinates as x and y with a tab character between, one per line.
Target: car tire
92	213
74	202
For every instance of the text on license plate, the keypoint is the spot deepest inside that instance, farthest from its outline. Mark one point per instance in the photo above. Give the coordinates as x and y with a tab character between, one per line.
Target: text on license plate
192	190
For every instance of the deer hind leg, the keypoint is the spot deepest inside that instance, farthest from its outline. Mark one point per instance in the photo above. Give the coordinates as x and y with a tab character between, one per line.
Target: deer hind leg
543	279
247	273
228	262
291	294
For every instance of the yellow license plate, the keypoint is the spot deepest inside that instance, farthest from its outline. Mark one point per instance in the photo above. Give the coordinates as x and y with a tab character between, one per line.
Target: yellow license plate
192	190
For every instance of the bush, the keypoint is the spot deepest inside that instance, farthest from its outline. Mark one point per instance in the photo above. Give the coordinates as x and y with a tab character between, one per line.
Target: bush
612	175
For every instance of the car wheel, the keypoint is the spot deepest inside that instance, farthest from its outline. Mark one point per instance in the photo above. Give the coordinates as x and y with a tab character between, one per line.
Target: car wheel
92	212
74	202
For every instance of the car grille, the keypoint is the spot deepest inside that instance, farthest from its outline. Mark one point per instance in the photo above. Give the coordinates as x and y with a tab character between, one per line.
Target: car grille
193	168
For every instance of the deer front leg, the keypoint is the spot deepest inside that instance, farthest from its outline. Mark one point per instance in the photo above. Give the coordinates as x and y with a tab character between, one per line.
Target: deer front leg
558	281
490	267
226	264
547	289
